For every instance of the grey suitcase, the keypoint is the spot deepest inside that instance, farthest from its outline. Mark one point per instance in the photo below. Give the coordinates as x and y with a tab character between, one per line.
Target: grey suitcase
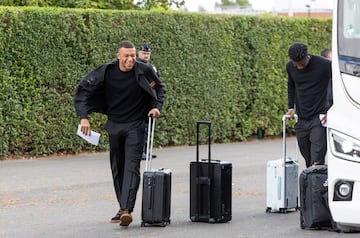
156	196
282	181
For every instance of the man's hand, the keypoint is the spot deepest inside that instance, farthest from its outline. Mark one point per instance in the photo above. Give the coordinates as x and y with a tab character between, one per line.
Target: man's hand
291	113
154	113
85	126
323	118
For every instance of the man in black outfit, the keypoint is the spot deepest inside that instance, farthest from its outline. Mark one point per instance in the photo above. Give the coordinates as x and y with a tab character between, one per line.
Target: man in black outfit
128	92
144	55
309	79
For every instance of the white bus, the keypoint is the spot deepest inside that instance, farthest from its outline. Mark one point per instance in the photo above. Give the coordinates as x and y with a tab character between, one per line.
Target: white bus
344	117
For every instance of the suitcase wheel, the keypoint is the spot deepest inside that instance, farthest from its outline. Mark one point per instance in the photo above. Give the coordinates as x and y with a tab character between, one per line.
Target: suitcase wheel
161	224
302	226
283	210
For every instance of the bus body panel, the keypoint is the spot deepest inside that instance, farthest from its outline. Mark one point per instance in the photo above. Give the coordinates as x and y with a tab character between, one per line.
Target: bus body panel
344	212
344	118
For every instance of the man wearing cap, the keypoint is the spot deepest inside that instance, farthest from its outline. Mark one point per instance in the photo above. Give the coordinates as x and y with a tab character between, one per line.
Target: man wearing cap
144	55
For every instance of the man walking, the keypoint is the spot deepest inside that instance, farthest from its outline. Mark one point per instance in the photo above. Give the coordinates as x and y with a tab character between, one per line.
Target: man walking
128	92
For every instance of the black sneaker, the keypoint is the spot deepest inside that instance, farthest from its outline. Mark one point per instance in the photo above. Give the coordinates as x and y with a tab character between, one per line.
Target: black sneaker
116	218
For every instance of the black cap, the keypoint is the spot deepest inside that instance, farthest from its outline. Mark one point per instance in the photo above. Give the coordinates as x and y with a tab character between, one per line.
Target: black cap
145	47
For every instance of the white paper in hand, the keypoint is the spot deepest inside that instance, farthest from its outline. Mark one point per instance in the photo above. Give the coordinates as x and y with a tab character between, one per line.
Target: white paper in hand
93	138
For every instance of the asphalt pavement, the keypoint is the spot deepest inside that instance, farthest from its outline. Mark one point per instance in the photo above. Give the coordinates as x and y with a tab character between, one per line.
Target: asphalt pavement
73	196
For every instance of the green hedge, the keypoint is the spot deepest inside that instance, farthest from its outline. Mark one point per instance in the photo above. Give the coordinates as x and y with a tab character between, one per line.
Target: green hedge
227	69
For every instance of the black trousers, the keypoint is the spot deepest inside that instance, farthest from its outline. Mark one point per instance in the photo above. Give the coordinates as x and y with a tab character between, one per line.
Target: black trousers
126	147
311	137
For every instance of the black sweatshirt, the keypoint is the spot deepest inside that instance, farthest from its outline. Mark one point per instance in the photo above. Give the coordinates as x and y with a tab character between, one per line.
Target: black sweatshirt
126	100
308	87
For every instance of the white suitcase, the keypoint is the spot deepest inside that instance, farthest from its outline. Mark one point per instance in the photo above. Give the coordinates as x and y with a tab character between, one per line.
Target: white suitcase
282	181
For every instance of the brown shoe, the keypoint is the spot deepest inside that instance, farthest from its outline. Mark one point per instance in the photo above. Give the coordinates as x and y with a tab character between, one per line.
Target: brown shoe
116	218
125	218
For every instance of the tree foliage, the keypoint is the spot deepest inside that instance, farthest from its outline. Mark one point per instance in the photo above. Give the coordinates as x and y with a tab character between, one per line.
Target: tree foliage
241	3
204	59
98	4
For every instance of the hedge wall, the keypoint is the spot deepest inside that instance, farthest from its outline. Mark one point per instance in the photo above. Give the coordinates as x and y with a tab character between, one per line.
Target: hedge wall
227	69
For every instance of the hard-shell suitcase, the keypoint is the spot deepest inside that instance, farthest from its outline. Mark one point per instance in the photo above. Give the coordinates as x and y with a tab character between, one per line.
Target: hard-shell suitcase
156	194
314	210
210	186
282	181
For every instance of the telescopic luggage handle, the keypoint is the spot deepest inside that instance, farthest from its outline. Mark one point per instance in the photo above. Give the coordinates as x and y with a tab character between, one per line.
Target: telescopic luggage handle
207	123
149	143
203	180
284	118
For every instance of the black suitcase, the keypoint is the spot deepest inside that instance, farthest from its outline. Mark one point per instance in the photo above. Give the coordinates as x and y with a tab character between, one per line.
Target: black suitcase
156	194
314	210
210	186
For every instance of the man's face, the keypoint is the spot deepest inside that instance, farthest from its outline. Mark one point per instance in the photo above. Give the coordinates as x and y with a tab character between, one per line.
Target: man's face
329	56
302	63
144	56
127	58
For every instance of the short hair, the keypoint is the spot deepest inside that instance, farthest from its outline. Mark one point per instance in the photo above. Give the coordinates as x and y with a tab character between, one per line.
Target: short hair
297	51
126	44
325	52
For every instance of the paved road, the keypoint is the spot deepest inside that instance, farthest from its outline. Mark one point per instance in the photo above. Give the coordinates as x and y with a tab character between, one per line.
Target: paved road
73	197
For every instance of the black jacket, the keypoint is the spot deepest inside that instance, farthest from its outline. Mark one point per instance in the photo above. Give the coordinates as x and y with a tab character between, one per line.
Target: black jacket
89	96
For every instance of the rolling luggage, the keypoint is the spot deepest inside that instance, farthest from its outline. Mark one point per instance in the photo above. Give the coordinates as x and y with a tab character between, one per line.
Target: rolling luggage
314	210
282	181
156	194
210	186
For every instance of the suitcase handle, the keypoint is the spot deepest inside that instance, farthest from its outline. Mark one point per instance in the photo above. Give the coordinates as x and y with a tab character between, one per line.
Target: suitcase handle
208	124
149	143
202	180
284	118
150	191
